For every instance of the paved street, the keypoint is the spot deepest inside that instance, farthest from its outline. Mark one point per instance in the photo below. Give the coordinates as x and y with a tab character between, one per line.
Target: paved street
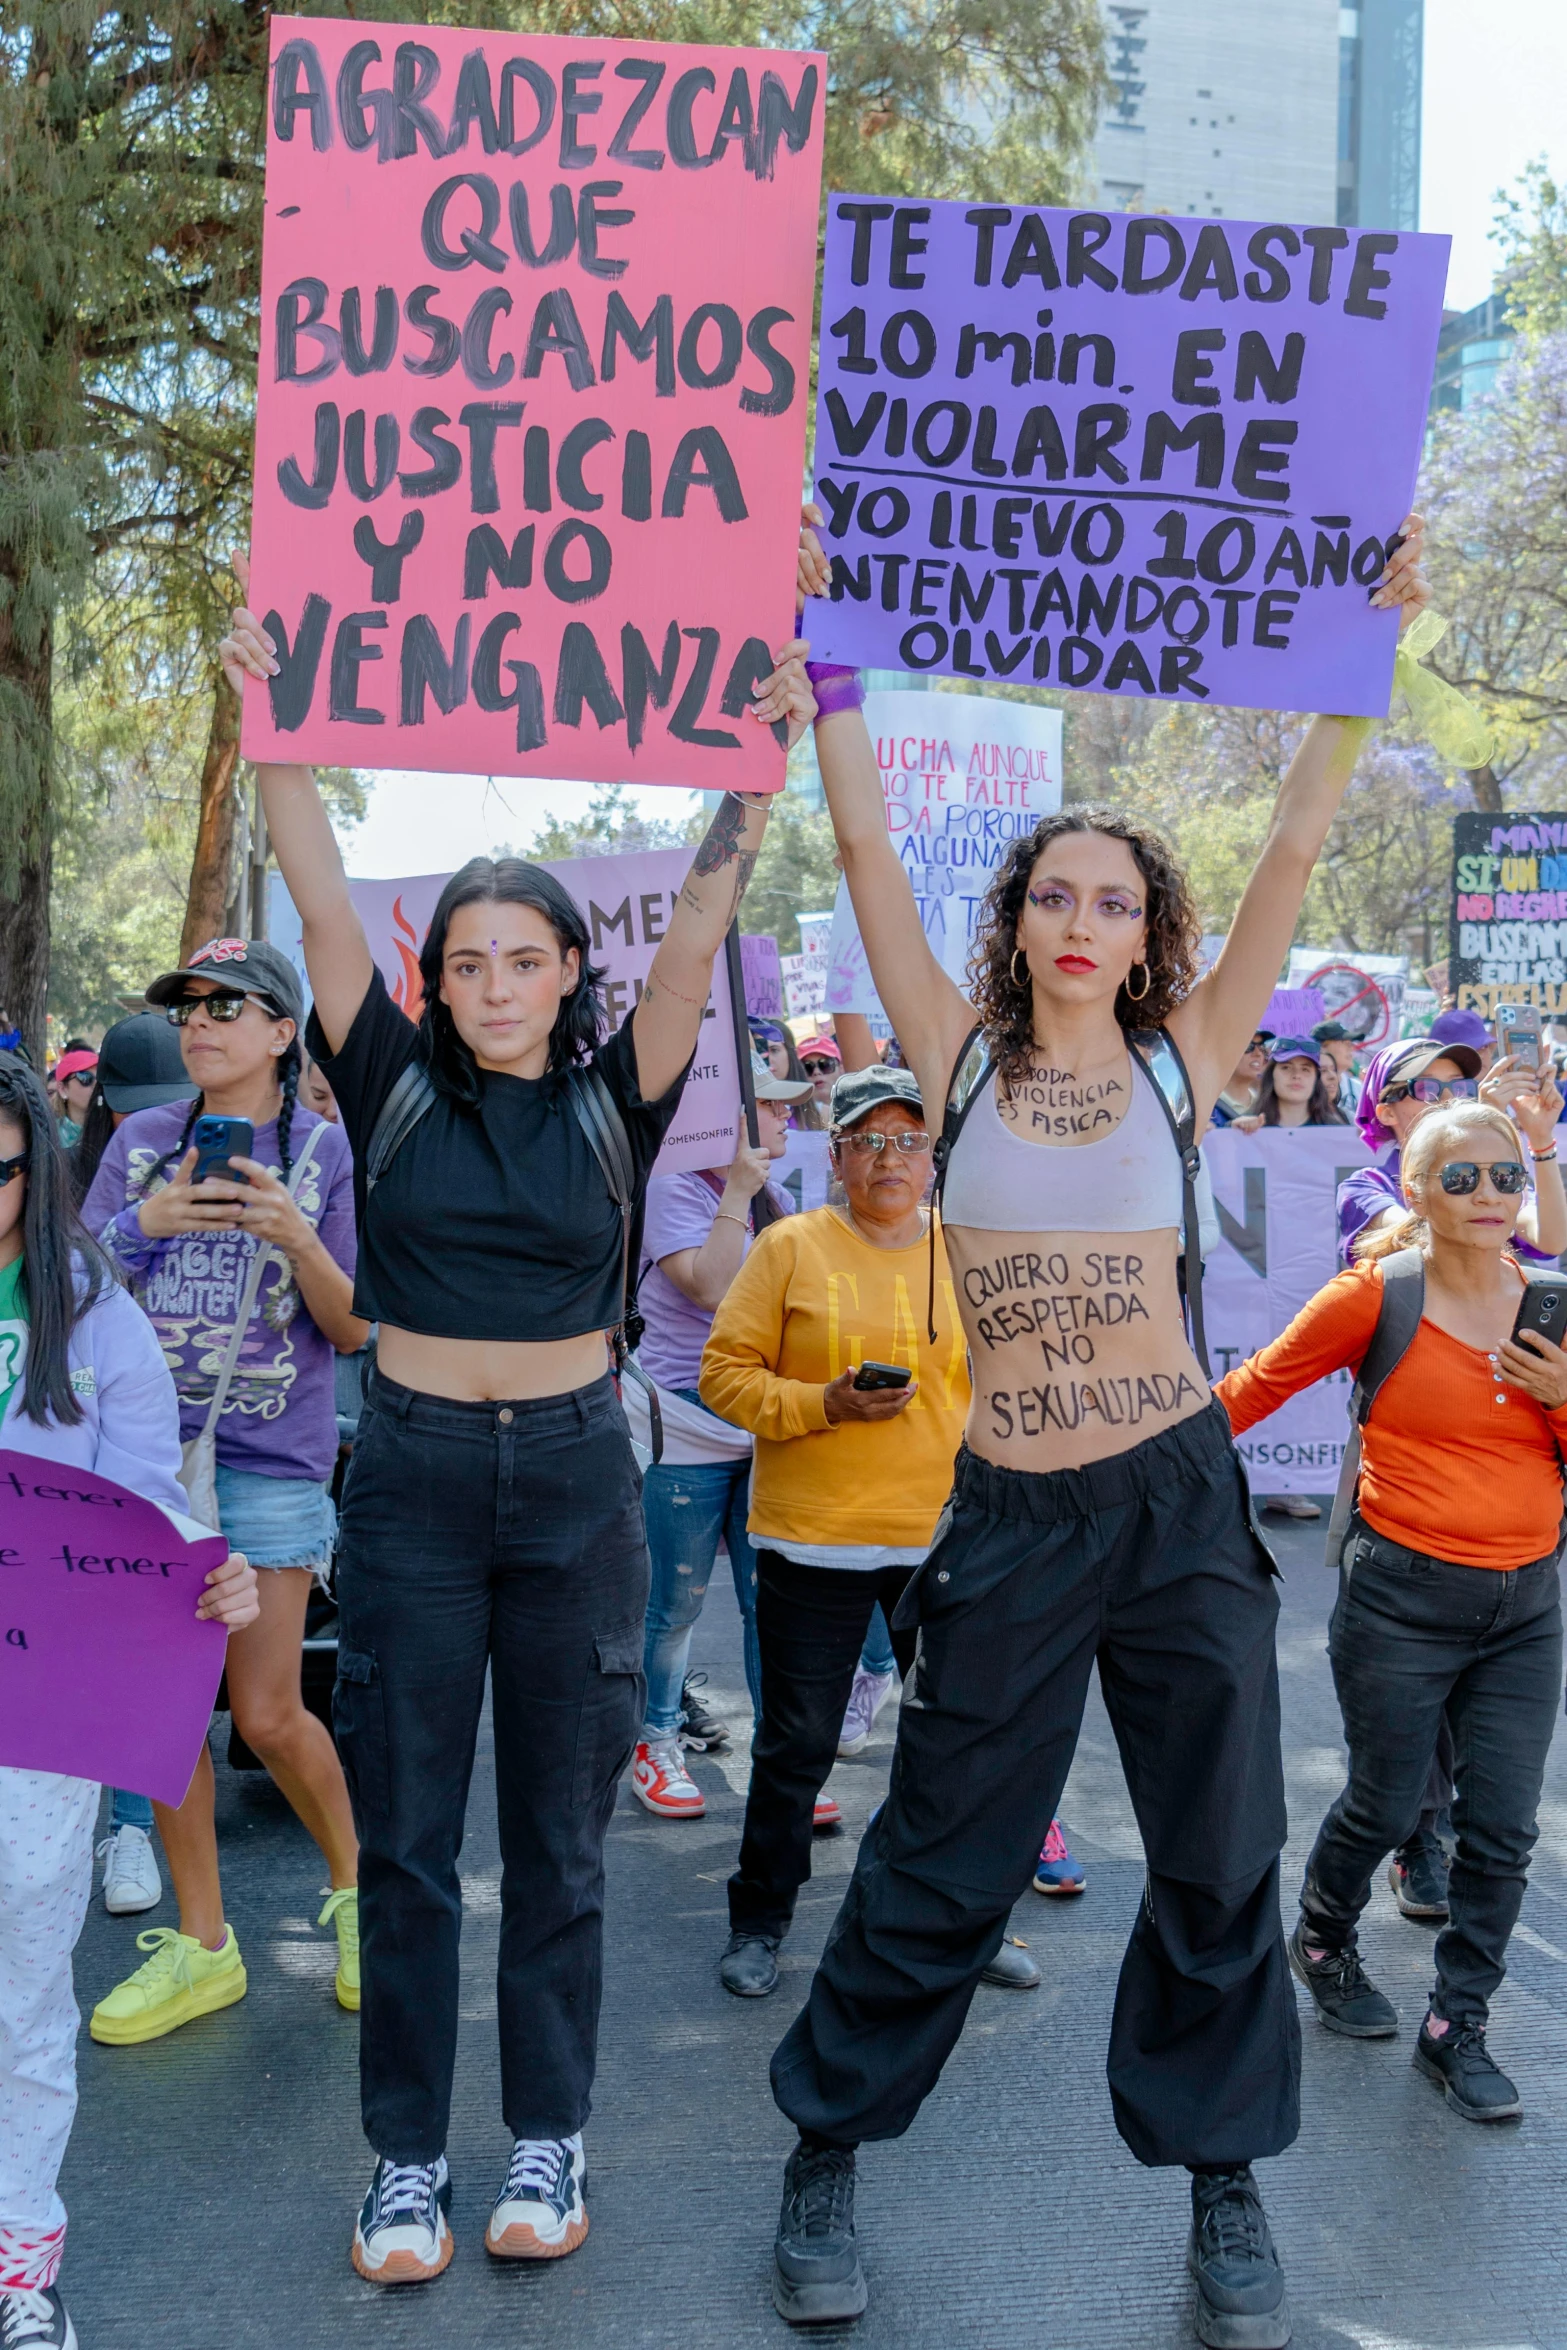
213	2176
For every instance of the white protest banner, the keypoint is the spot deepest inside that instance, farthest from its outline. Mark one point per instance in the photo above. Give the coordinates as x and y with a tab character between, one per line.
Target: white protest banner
1274	1191
805	974
963	776
1364	993
625	902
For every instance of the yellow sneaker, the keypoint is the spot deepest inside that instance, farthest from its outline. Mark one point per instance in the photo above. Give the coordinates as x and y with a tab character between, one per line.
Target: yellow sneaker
182	1979
343	1908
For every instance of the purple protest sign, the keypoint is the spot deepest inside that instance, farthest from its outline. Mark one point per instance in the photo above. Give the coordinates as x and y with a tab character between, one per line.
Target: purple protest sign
763	977
1124	452
105	1671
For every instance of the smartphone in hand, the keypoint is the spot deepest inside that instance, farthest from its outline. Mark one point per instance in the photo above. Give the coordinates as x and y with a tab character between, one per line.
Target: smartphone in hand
871	1376
1543	1310
217	1141
1518	1032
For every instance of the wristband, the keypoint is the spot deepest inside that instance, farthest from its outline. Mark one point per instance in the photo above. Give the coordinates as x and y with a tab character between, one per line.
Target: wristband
835	688
1543	1158
728	1216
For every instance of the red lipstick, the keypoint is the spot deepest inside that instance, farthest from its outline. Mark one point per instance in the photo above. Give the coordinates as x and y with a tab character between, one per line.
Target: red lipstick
1075	963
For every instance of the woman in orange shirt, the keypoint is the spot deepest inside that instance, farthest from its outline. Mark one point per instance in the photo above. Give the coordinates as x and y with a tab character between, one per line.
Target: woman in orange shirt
1448	1592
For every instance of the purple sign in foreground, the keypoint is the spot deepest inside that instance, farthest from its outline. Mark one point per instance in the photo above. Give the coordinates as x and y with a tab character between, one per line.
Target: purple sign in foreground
105	1672
1124	452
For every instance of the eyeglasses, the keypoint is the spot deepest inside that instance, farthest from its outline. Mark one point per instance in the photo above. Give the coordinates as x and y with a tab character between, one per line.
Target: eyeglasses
1461	1176
216	1007
17	1166
819	1068
911	1145
1435	1089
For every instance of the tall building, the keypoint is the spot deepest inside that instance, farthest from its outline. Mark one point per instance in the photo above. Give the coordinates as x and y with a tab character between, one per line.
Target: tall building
1380	44
1222	107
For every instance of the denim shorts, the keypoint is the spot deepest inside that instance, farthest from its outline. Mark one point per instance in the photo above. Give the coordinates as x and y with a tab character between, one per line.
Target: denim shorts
276	1521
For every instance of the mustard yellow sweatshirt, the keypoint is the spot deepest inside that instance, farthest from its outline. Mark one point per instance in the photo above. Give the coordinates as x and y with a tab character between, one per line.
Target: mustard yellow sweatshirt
811	1300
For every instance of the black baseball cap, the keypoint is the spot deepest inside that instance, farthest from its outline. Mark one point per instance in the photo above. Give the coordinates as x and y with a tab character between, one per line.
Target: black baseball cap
139	1065
241	966
863	1090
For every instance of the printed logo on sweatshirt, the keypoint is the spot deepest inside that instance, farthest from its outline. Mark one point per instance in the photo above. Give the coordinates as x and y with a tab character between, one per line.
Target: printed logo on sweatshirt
84	1380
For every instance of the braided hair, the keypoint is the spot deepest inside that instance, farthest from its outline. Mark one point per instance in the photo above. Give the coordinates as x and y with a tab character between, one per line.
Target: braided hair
289	1067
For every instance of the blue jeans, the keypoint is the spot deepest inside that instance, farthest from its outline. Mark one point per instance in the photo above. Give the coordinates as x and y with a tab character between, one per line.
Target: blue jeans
876	1655
687	1511
131	1811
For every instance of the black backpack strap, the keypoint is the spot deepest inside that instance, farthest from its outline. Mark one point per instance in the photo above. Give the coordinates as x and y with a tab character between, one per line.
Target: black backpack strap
411	1095
1398	1318
969	1072
598	1114
1156	1053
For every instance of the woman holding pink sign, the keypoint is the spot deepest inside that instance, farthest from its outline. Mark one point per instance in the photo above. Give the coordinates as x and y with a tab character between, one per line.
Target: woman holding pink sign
492	1516
82	1381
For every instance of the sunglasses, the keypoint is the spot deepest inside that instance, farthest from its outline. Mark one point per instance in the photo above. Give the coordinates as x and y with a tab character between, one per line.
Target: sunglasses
911	1145
217	1007
1435	1089
819	1068
1461	1176
17	1166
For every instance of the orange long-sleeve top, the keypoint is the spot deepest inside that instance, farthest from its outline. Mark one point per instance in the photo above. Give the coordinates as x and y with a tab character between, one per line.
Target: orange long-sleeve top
1454	1463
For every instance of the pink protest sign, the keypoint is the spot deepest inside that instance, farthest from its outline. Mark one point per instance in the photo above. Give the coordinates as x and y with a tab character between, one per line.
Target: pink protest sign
530	430
626	902
105	1672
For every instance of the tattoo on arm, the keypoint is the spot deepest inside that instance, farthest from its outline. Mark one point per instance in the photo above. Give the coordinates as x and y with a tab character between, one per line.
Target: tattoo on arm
721	842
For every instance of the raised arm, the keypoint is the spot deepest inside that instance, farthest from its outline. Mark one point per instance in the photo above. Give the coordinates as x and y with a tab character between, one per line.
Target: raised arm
337	954
1222	1011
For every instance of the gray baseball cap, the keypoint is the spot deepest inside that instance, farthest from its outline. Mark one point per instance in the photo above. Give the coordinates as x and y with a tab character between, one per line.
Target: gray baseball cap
863	1090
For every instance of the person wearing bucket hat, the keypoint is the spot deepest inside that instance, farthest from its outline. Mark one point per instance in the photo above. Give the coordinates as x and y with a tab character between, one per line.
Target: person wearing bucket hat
697	1231
260	1261
775	1042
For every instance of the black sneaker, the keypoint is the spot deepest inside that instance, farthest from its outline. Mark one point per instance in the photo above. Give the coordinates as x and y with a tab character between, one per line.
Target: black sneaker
1418	1876
1461	2063
817	2278
700	1728
35	2319
749	1965
1240	2285
1345	1998
1012	1969
402	2237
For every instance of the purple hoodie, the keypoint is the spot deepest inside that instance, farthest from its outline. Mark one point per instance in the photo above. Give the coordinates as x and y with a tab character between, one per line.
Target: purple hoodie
130	1424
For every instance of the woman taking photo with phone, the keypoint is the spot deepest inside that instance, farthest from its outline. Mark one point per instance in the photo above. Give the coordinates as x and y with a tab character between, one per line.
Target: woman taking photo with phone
492	1513
1448	1591
82	1382
246	1275
1099	1510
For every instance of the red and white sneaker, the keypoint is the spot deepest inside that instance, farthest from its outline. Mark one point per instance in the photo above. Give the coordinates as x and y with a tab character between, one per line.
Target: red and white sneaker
825	1815
661	1782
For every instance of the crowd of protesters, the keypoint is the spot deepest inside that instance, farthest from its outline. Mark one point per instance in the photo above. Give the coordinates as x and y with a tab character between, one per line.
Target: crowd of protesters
584	1379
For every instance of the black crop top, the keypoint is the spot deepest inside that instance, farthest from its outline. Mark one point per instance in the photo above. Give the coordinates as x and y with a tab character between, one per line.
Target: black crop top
489	1223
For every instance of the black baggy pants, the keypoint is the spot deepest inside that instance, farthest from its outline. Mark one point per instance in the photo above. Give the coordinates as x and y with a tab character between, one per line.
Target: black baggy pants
811	1624
1413	1636
1149	1562
507	1536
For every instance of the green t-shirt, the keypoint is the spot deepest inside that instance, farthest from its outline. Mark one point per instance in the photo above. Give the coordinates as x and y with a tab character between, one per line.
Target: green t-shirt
13	1330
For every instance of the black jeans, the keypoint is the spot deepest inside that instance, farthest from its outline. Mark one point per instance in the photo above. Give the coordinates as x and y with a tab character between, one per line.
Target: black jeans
507	1536
1150	1562
1410	1636
811	1624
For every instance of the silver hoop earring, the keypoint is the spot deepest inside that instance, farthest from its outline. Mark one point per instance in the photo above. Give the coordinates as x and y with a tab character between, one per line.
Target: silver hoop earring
1016	951
1135	995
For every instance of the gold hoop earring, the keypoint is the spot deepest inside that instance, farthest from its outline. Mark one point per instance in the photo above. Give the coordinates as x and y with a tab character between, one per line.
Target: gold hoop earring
1135	995
1016	951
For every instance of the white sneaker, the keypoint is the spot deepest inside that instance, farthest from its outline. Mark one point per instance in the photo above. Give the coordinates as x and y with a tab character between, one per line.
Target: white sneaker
866	1699
539	2213
662	1784
35	2320
1291	1505
130	1872
402	2237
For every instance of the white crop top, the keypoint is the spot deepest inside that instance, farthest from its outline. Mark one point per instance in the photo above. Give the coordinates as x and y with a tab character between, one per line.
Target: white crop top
1128	1181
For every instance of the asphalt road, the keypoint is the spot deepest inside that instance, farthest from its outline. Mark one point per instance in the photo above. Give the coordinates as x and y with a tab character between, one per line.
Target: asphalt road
213	2177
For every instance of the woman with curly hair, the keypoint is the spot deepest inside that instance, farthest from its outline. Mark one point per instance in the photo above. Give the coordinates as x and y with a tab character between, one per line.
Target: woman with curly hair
1099	1512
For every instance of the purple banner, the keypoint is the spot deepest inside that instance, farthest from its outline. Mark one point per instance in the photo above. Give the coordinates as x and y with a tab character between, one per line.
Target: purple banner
105	1672
763	977
1123	452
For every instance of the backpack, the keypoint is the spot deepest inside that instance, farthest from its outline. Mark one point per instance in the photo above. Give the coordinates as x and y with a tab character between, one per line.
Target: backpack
1398	1318
598	1114
1156	1053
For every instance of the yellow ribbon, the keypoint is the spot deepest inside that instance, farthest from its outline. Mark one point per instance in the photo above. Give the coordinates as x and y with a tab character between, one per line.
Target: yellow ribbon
1452	726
